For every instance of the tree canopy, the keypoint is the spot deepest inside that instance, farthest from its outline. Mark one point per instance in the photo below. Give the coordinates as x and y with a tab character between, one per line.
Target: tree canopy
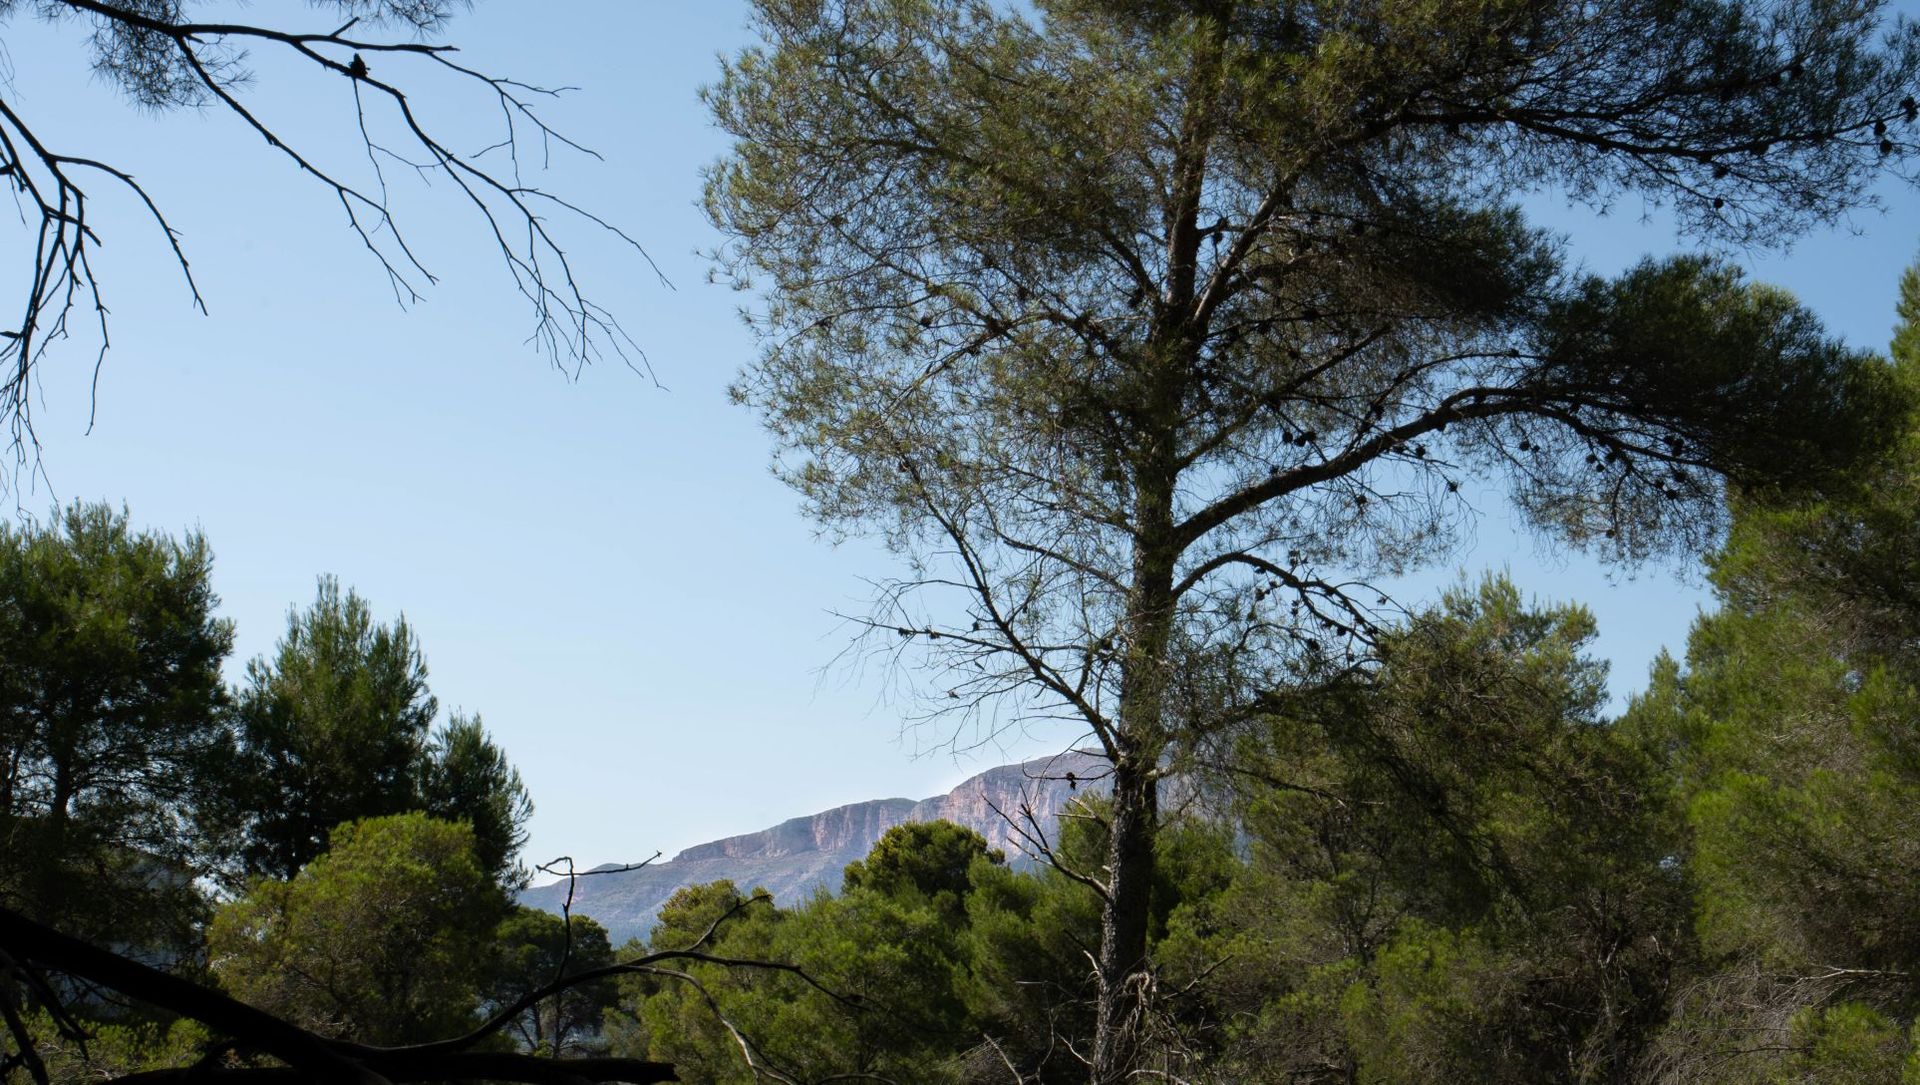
532	949
1158	335
379	940
114	754
338	726
1157	338
1788	729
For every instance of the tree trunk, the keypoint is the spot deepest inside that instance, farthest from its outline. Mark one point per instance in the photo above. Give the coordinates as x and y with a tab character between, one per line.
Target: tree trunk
48	899
1172	355
1142	741
1123	974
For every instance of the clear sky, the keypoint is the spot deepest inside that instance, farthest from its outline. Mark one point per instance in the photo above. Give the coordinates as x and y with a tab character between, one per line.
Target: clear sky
602	568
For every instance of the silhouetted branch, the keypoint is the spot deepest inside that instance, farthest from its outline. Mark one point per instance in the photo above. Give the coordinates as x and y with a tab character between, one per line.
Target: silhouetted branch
573	877
307	1055
162	60
459	1065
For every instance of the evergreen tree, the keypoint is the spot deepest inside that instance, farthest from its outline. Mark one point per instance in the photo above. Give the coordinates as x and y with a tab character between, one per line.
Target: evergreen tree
682	1013
381	939
465	777
936	963
1791	735
334	729
113	749
933	859
1459	869
339	727
532	949
1156	332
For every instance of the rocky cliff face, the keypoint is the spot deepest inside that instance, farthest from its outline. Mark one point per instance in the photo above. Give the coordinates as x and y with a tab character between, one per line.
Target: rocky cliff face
997	800
798	857
833	830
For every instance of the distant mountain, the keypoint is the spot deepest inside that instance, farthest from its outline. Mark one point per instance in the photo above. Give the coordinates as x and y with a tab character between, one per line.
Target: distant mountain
794	857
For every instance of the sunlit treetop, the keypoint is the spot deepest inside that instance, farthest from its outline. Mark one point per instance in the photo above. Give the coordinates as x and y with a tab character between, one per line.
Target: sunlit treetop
1156	336
1258	262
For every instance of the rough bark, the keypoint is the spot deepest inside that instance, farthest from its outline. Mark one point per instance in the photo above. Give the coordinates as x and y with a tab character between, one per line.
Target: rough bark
1124	978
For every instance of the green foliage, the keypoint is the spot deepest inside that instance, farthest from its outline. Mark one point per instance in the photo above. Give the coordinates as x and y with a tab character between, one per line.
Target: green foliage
1154	333
1028	984
888	959
113	752
465	777
676	1014
114	1049
1459	871
380	939
930	858
1436	862
1847	1044
128	778
892	957
1448	866
1751	352
890	951
334	728
1444	863
532	949
338	727
1789	736
937	963
1791	750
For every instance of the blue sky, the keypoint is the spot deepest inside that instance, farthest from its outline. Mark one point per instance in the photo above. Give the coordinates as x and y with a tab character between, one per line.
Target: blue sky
602	568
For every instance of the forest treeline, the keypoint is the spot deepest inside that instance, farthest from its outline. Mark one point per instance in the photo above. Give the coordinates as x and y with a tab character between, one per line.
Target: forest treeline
1153	337
1442	862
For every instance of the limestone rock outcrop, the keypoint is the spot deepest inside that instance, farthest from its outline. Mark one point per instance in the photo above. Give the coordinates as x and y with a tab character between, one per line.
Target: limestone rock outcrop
796	857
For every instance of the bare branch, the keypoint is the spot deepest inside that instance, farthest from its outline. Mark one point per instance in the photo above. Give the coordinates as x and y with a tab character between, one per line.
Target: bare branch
197	62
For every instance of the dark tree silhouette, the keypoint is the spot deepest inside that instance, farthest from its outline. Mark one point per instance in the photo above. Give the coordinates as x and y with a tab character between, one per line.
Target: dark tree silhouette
162	59
30	950
38	962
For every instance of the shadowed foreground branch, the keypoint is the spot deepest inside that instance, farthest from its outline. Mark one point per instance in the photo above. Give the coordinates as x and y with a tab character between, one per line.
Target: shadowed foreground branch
31	947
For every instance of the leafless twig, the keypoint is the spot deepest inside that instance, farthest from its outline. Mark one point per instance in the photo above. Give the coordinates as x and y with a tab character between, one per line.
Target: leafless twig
164	60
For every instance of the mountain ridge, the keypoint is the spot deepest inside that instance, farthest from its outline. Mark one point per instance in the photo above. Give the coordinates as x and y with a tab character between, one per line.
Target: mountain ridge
802	855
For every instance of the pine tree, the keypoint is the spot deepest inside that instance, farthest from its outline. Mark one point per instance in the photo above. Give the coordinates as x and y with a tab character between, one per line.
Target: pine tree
1155	333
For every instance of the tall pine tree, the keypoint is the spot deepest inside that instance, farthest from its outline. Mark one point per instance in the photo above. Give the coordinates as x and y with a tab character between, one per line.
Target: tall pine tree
1156	333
